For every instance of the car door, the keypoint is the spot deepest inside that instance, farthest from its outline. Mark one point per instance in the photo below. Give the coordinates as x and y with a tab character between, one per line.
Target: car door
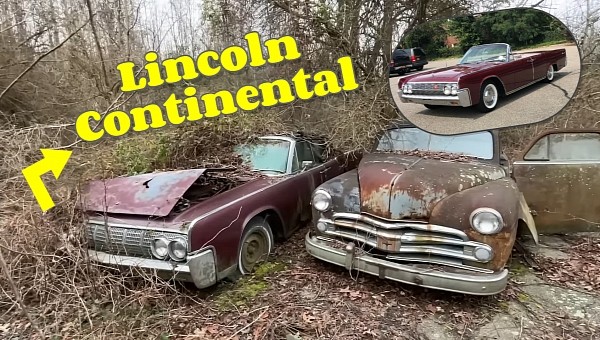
327	169
559	175
307	172
520	71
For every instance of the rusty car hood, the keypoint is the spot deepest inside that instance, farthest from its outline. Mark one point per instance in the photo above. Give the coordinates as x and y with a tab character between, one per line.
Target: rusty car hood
451	73
154	194
396	186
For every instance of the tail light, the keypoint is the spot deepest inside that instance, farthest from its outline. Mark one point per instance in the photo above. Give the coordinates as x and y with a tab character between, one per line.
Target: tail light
413	58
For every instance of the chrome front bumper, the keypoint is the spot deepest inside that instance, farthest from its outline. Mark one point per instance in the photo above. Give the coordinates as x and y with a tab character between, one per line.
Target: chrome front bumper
200	267
461	99
454	281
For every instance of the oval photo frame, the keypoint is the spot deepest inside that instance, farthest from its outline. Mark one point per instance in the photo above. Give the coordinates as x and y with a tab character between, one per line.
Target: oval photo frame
485	71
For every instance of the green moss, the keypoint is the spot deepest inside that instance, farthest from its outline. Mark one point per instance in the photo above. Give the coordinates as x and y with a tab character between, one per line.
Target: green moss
268	268
519	269
243	292
248	287
522	297
503	306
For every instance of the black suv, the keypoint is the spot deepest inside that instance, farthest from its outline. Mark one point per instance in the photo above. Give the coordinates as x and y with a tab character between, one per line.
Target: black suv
405	59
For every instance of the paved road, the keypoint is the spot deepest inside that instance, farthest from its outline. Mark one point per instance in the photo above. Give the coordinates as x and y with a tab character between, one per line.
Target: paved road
530	105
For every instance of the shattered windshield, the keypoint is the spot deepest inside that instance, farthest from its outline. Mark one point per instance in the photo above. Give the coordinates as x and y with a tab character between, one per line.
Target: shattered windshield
491	52
477	144
266	155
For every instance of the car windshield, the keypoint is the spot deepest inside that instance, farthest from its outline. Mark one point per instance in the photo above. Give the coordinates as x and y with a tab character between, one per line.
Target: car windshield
476	144
492	52
267	155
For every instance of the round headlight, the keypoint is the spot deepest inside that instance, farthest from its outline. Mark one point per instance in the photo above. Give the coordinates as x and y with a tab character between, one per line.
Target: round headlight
454	89
321	200
178	249
486	221
160	248
447	89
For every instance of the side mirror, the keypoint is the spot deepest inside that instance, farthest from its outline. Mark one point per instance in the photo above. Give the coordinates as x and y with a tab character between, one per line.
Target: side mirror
306	164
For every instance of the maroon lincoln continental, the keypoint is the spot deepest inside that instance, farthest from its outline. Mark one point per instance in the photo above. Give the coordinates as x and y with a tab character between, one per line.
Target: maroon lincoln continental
483	75
203	225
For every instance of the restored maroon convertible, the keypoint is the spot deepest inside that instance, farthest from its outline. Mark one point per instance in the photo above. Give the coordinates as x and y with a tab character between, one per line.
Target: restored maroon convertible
202	225
485	73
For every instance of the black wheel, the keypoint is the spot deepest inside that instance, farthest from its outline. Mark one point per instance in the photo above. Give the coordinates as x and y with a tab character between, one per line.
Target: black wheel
419	68
549	74
432	107
255	246
488	97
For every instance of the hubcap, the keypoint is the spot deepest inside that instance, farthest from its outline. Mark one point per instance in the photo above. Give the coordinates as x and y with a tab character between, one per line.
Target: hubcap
550	74
490	95
254	249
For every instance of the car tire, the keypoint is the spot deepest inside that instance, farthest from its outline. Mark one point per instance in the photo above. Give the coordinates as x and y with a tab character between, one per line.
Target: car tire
488	97
255	245
431	107
419	68
549	74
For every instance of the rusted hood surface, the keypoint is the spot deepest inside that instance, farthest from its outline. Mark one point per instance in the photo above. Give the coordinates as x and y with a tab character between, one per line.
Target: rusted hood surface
152	194
398	186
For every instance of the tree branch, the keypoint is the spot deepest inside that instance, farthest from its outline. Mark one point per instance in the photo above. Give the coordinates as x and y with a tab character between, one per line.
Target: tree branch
40	58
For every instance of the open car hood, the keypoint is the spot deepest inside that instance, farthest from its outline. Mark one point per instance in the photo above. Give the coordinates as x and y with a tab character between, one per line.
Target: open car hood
154	194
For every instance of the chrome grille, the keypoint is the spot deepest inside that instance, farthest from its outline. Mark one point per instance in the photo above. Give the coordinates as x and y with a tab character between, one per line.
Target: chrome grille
428	88
123	240
409	240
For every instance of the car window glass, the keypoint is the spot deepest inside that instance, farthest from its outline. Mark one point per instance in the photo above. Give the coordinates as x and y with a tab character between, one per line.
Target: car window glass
317	151
574	146
266	155
476	144
539	150
304	152
419	52
567	147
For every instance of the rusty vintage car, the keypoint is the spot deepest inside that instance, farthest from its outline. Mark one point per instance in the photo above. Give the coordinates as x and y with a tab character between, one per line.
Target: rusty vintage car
483	75
202	225
443	211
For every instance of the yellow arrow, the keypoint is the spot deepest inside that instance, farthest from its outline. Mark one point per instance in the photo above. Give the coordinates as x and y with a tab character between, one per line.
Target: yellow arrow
55	161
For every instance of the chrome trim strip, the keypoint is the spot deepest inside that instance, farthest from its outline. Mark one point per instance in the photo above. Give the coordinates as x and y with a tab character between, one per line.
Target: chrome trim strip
130	226
410	237
426	97
410	249
524	86
431	82
556	162
401	224
436	261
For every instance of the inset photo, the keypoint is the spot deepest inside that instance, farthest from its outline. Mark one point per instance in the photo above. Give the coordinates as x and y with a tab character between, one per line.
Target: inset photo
484	71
